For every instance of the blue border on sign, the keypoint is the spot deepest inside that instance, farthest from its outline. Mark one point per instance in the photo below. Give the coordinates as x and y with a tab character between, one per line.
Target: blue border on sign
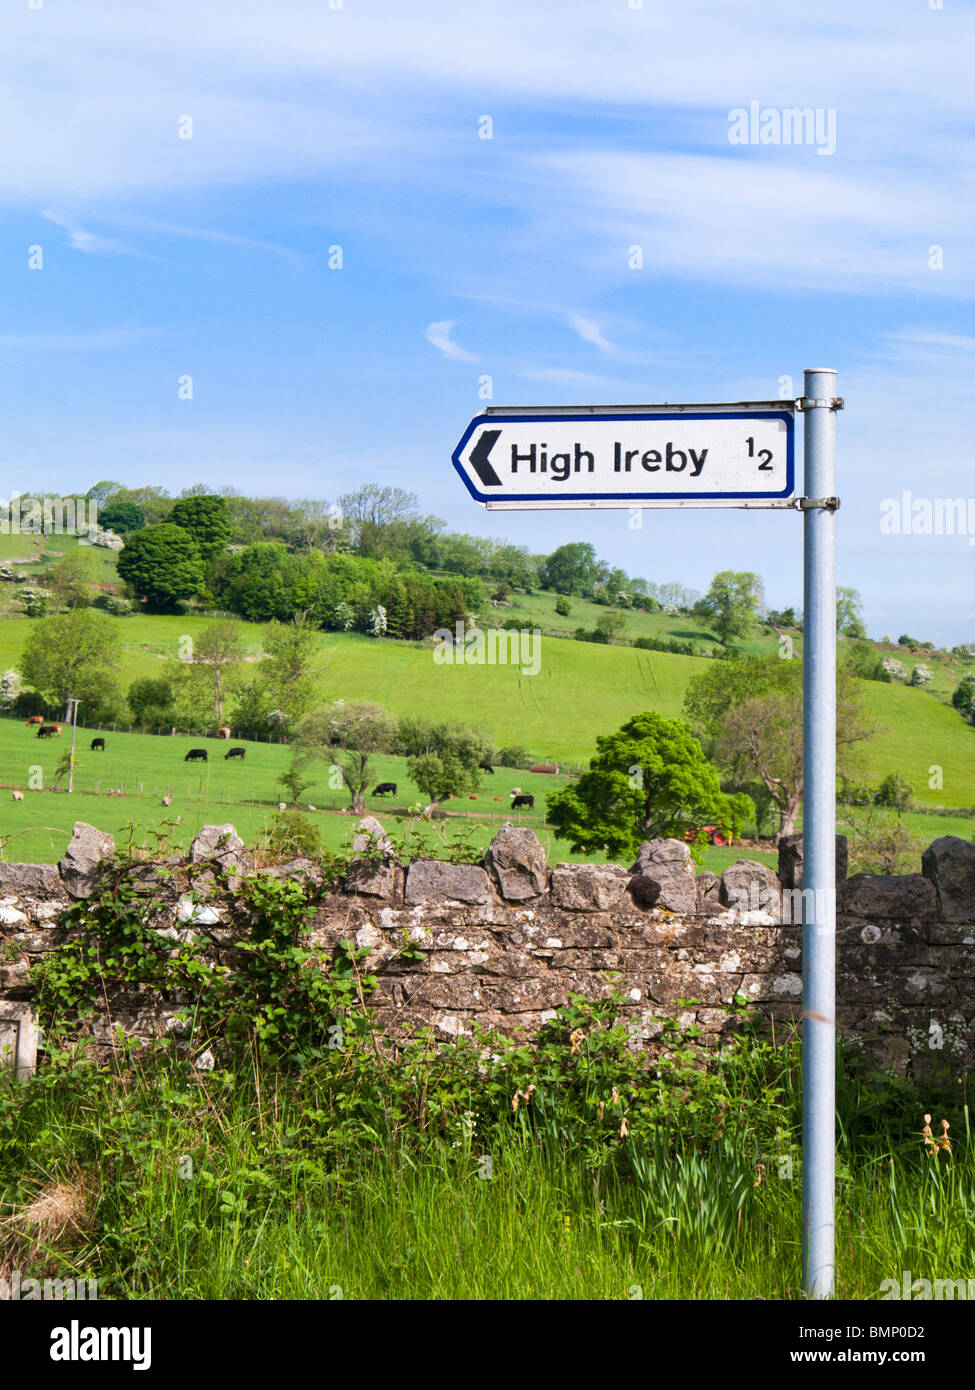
504	496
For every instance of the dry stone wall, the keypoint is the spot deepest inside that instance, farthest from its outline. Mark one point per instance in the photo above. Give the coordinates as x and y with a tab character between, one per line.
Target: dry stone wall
503	943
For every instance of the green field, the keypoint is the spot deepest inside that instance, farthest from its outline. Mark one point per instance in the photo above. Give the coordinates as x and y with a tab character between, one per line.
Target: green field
580	691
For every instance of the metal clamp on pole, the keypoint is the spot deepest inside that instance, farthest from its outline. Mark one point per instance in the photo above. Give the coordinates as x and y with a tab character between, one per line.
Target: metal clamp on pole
811	402
829	504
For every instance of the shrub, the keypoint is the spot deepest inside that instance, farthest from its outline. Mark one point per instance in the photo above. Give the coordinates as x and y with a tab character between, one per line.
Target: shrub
563	607
114	603
513	756
894	791
293	834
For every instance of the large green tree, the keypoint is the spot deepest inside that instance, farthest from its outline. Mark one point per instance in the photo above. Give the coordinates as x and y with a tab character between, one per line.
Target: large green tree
162	564
207	519
731	604
122	517
75	654
443	759
648	780
748	714
571	569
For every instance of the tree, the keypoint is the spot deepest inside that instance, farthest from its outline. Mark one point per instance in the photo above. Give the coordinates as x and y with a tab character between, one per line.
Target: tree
749	716
849	605
74	654
443	759
731	603
571	569
101	492
162	563
378	506
649	780
205	518
350	736
218	650
70	579
287	668
152	702
963	698
122	517
612	624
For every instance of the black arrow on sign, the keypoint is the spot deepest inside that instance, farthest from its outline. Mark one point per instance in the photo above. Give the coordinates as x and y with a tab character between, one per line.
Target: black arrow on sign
480	461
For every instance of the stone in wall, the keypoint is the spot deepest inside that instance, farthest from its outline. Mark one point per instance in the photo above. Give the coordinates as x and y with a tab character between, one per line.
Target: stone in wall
669	862
790	860
950	865
515	860
86	851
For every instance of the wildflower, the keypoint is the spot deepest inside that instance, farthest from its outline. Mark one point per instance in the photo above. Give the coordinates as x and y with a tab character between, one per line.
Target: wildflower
577	1038
623	1129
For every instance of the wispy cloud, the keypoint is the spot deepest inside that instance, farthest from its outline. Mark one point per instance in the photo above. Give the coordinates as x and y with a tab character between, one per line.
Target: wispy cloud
589	331
439	334
214	234
82	240
78	342
571	379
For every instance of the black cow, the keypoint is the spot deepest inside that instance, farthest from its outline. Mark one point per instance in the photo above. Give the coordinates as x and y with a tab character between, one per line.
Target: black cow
528	801
234	753
196	755
48	731
486	767
385	789
97	743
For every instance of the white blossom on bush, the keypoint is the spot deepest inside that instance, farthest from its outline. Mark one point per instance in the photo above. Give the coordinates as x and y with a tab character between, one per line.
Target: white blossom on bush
894	668
9	688
921	675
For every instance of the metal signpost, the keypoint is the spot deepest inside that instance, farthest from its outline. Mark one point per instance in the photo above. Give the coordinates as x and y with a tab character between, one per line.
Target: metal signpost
571	457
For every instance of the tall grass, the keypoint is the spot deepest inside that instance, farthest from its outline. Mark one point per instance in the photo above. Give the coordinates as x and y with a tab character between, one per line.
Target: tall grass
256	1184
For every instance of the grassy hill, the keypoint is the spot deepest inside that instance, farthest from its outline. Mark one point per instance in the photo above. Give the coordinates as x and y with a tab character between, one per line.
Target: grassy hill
581	690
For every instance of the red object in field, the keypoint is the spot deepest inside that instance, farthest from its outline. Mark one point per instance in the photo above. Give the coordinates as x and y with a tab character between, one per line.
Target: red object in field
544	767
714	835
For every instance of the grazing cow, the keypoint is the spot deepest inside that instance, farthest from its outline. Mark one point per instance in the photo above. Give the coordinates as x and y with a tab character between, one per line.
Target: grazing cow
234	753
223	733
196	755
97	743
528	801
48	730
486	767
18	796
385	789
34	719
516	791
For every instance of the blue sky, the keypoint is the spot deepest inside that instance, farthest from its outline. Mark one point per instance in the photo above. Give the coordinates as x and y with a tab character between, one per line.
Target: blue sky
463	257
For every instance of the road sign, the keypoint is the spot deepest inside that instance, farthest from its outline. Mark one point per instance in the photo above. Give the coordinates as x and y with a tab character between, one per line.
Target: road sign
630	456
739	455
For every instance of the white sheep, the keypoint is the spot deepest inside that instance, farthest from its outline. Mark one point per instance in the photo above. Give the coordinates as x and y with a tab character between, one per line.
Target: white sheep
18	796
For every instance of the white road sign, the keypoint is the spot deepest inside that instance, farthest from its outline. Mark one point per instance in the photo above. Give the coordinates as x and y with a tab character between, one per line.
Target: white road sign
625	456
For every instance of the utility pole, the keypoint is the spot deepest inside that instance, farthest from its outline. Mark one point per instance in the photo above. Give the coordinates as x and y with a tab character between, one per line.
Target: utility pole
73	716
